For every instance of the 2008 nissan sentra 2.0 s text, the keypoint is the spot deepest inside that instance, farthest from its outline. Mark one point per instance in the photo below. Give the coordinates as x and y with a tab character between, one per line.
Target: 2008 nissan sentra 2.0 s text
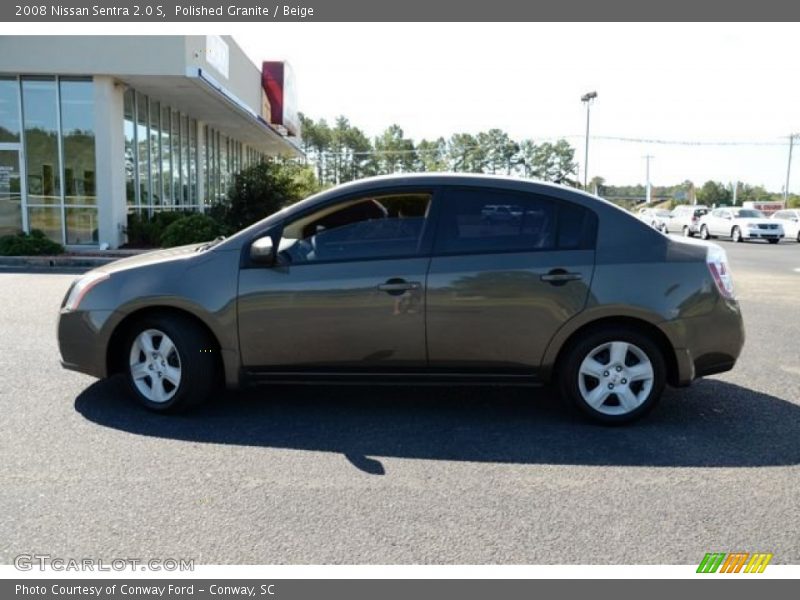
417	278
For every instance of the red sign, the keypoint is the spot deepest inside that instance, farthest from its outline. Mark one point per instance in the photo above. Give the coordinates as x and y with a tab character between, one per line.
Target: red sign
277	79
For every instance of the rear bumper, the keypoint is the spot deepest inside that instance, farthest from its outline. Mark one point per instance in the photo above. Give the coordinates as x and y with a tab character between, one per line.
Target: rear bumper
707	344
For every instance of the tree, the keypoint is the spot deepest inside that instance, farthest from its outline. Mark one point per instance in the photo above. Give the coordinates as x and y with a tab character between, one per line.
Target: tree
465	154
596	185
432	155
316	142
554	162
500	151
714	193
395	153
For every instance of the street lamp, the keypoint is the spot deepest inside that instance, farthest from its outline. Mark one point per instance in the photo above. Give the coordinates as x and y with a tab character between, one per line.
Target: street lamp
587	98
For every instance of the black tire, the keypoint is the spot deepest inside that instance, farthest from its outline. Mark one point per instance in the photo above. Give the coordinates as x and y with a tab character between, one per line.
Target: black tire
686	231
568	371
773	241
197	356
704	233
736	235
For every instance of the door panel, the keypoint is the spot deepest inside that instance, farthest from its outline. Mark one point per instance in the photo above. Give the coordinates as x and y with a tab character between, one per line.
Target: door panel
334	315
348	288
496	310
500	286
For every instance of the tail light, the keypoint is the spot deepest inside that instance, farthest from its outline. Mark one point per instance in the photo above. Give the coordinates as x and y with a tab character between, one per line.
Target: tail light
717	262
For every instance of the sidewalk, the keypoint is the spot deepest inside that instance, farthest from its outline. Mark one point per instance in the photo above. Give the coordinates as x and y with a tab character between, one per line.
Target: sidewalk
89	259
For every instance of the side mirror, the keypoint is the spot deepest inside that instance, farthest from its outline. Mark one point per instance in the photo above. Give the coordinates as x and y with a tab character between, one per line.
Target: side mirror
262	252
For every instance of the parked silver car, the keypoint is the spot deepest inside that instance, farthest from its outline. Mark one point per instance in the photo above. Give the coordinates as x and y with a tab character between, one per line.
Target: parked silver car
402	279
655	217
685	219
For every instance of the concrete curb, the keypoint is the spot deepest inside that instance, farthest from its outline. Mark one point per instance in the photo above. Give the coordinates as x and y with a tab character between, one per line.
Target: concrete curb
57	261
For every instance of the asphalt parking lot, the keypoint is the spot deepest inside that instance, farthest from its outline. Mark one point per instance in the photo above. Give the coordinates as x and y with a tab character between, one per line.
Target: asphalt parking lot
403	475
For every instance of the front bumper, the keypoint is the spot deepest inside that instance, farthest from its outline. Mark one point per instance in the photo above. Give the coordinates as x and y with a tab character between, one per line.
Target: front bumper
766	234
82	340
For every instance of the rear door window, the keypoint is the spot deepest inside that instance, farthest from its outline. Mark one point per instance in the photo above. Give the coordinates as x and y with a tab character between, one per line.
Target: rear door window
484	221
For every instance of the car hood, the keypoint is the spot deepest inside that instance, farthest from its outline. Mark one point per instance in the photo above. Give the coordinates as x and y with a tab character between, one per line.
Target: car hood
152	258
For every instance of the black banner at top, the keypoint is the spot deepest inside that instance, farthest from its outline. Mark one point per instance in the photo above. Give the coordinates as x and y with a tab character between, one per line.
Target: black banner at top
405	10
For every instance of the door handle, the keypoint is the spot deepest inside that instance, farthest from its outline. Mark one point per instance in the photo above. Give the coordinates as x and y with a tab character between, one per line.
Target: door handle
560	277
396	286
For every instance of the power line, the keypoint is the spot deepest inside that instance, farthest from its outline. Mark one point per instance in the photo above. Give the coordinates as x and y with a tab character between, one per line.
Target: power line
373	152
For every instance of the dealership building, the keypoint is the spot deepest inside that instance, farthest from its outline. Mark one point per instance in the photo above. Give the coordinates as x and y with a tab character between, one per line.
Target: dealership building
93	128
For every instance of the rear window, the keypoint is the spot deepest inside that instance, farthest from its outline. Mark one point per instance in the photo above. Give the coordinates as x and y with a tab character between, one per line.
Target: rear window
487	221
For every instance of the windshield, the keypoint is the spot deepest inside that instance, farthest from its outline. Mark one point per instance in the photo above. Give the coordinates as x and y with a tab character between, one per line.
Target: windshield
748	213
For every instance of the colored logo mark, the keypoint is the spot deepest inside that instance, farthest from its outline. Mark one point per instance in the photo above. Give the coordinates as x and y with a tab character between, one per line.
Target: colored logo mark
736	562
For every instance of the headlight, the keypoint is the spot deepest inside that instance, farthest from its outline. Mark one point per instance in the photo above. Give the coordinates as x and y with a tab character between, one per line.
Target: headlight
81	287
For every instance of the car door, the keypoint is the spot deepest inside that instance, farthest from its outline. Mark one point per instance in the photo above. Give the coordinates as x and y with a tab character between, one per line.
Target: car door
715	220
346	290
498	291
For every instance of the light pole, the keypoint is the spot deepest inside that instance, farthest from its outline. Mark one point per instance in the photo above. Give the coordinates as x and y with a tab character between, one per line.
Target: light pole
789	166
587	98
648	189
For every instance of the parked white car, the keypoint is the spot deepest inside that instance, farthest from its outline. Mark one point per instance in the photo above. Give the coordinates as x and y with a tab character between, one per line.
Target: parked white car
685	219
655	217
740	224
790	221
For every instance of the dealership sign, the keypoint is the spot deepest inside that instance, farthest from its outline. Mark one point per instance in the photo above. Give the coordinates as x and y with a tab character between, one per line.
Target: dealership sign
277	80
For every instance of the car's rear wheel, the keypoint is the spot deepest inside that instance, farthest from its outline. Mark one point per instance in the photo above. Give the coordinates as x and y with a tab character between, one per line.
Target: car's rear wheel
686	231
704	233
736	235
170	363
614	375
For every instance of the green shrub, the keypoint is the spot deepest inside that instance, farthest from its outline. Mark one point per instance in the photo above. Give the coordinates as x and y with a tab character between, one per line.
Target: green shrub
191	229
261	190
144	231
35	243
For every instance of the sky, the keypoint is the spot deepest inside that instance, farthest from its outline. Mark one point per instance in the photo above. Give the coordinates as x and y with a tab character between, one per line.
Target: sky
674	82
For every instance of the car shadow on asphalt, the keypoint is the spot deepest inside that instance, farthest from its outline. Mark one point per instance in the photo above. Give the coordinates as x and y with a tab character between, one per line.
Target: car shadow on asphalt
711	424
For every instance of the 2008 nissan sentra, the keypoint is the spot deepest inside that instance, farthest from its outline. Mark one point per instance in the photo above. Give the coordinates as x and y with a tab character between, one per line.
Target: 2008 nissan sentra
416	278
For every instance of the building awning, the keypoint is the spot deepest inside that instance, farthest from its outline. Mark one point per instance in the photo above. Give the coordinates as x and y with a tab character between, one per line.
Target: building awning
201	97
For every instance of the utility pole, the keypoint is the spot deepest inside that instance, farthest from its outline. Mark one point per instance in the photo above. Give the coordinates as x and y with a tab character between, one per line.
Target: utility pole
587	98
735	191
789	167
648	196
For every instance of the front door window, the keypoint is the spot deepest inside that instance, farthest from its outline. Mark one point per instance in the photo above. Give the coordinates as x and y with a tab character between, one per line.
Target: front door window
383	226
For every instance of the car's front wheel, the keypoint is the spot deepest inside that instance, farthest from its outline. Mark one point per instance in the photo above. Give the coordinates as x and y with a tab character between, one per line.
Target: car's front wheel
704	233
170	363
686	231
736	235
614	375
